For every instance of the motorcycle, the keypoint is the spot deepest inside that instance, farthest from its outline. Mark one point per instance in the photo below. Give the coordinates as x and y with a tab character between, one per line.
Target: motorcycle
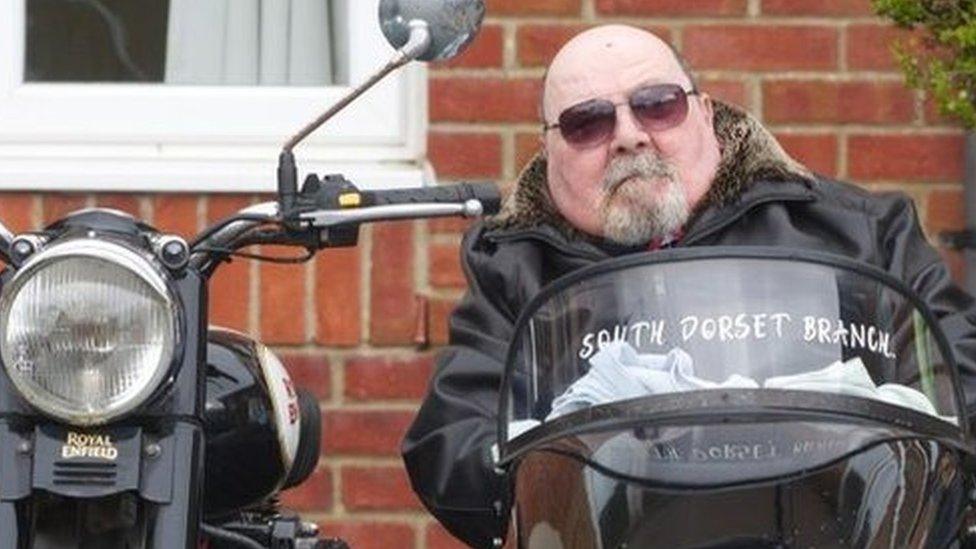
123	416
733	397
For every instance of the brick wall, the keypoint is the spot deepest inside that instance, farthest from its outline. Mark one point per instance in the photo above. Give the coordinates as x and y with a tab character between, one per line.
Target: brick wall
817	71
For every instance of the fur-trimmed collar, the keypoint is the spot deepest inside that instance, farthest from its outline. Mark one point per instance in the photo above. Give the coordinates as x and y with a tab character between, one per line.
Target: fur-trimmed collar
749	153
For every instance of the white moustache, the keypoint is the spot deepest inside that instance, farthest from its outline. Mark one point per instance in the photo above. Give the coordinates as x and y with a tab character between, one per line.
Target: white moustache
644	166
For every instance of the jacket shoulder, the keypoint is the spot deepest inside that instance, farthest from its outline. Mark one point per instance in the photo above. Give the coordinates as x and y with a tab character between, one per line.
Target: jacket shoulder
846	195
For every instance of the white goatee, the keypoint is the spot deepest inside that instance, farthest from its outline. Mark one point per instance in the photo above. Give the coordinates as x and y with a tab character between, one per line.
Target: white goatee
643	199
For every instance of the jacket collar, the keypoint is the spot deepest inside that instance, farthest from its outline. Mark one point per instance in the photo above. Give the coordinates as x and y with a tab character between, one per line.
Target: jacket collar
749	154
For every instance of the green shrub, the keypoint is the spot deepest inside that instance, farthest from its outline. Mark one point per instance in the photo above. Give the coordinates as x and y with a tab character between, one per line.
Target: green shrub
941	58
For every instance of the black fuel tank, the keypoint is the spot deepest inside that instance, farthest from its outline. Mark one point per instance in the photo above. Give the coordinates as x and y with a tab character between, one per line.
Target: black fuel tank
263	434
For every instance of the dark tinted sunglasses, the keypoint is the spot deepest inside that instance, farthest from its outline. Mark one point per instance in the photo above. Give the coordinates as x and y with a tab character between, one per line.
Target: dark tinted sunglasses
657	107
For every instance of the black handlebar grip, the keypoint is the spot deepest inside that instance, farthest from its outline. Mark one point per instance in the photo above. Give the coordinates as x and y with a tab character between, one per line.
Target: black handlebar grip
486	193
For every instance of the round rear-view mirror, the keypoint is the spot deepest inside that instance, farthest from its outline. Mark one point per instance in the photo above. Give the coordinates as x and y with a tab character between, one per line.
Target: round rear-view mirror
452	24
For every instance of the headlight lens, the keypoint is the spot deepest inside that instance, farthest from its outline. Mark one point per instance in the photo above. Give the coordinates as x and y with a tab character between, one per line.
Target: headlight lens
89	329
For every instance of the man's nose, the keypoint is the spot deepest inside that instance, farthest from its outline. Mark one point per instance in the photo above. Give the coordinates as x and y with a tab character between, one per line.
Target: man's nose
629	135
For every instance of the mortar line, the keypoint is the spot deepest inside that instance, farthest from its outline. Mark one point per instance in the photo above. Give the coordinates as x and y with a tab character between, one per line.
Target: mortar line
588	11
37	211
754	9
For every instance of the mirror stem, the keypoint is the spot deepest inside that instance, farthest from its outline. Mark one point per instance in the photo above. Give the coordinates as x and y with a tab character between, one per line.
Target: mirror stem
417	44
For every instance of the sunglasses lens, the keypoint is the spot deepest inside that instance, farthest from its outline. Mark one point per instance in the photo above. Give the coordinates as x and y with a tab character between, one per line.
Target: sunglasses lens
588	123
660	107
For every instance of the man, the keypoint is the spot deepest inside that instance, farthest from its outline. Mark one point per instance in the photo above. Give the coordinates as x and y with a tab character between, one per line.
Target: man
634	158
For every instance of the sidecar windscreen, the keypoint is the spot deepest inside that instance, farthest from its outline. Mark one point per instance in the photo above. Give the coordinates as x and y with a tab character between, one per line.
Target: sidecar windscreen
896	493
692	337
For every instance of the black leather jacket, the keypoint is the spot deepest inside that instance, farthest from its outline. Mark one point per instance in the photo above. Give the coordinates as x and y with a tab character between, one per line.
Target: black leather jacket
447	449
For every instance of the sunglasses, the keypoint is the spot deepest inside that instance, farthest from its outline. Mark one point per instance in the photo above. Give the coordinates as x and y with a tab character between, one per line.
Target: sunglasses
658	107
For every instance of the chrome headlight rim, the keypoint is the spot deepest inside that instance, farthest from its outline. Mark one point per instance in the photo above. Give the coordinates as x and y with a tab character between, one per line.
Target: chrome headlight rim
137	261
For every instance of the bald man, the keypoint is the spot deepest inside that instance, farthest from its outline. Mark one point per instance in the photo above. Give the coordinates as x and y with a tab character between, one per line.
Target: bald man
634	158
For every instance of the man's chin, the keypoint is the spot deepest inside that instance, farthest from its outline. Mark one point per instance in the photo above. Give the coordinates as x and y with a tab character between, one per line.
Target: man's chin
633	221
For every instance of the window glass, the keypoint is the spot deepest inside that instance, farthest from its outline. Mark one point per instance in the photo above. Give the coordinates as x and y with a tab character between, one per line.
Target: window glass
185	42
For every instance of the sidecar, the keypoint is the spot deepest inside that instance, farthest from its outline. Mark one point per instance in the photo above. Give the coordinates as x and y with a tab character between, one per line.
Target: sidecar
734	397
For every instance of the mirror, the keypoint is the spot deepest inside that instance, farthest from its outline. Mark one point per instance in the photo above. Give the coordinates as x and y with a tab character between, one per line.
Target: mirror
453	24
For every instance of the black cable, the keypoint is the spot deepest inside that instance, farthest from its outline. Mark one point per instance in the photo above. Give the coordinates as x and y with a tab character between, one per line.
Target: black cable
259	257
213	229
232	537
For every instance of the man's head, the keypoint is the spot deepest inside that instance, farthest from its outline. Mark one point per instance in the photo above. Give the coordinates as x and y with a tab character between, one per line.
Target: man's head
639	177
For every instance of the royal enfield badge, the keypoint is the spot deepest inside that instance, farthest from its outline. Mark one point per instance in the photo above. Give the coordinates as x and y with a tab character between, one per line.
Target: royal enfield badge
83	445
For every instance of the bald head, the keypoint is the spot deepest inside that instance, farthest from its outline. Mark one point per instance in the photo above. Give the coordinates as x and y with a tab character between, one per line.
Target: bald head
589	49
642	168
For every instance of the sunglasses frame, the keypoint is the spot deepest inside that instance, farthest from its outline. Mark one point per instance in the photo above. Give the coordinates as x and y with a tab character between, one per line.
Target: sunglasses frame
629	102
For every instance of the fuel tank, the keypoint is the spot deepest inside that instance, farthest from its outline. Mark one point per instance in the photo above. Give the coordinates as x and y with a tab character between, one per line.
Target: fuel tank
263	434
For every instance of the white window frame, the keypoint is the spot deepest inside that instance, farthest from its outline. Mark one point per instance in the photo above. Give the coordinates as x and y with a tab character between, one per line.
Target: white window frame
168	138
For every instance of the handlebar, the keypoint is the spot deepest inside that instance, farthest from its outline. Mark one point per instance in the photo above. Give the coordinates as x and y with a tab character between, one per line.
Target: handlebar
338	210
486	193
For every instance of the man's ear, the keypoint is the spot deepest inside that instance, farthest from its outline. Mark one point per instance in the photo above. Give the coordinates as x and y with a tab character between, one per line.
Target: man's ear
707	107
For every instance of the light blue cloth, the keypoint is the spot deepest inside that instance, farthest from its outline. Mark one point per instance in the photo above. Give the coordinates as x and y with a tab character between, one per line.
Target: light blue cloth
618	372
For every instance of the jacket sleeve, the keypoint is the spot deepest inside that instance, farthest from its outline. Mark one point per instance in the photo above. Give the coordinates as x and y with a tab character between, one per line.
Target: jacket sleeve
919	264
447	450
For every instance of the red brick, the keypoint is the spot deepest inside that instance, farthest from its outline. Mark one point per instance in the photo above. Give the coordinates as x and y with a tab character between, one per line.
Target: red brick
445	266
128	203
457	155
761	47
869	47
956	263
533	7
537	44
369	378
448	225
484	52
17	211
813	101
667	8
917	158
369	534
282	293
727	91
176	213
484	99
527	145
440	310
315	494
815	151
337	287
377	489
57	205
392	308
230	300
817	7
364	432
311	372
439	538
945	211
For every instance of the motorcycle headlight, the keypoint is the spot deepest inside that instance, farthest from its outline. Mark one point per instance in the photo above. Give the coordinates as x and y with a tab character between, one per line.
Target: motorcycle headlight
89	329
